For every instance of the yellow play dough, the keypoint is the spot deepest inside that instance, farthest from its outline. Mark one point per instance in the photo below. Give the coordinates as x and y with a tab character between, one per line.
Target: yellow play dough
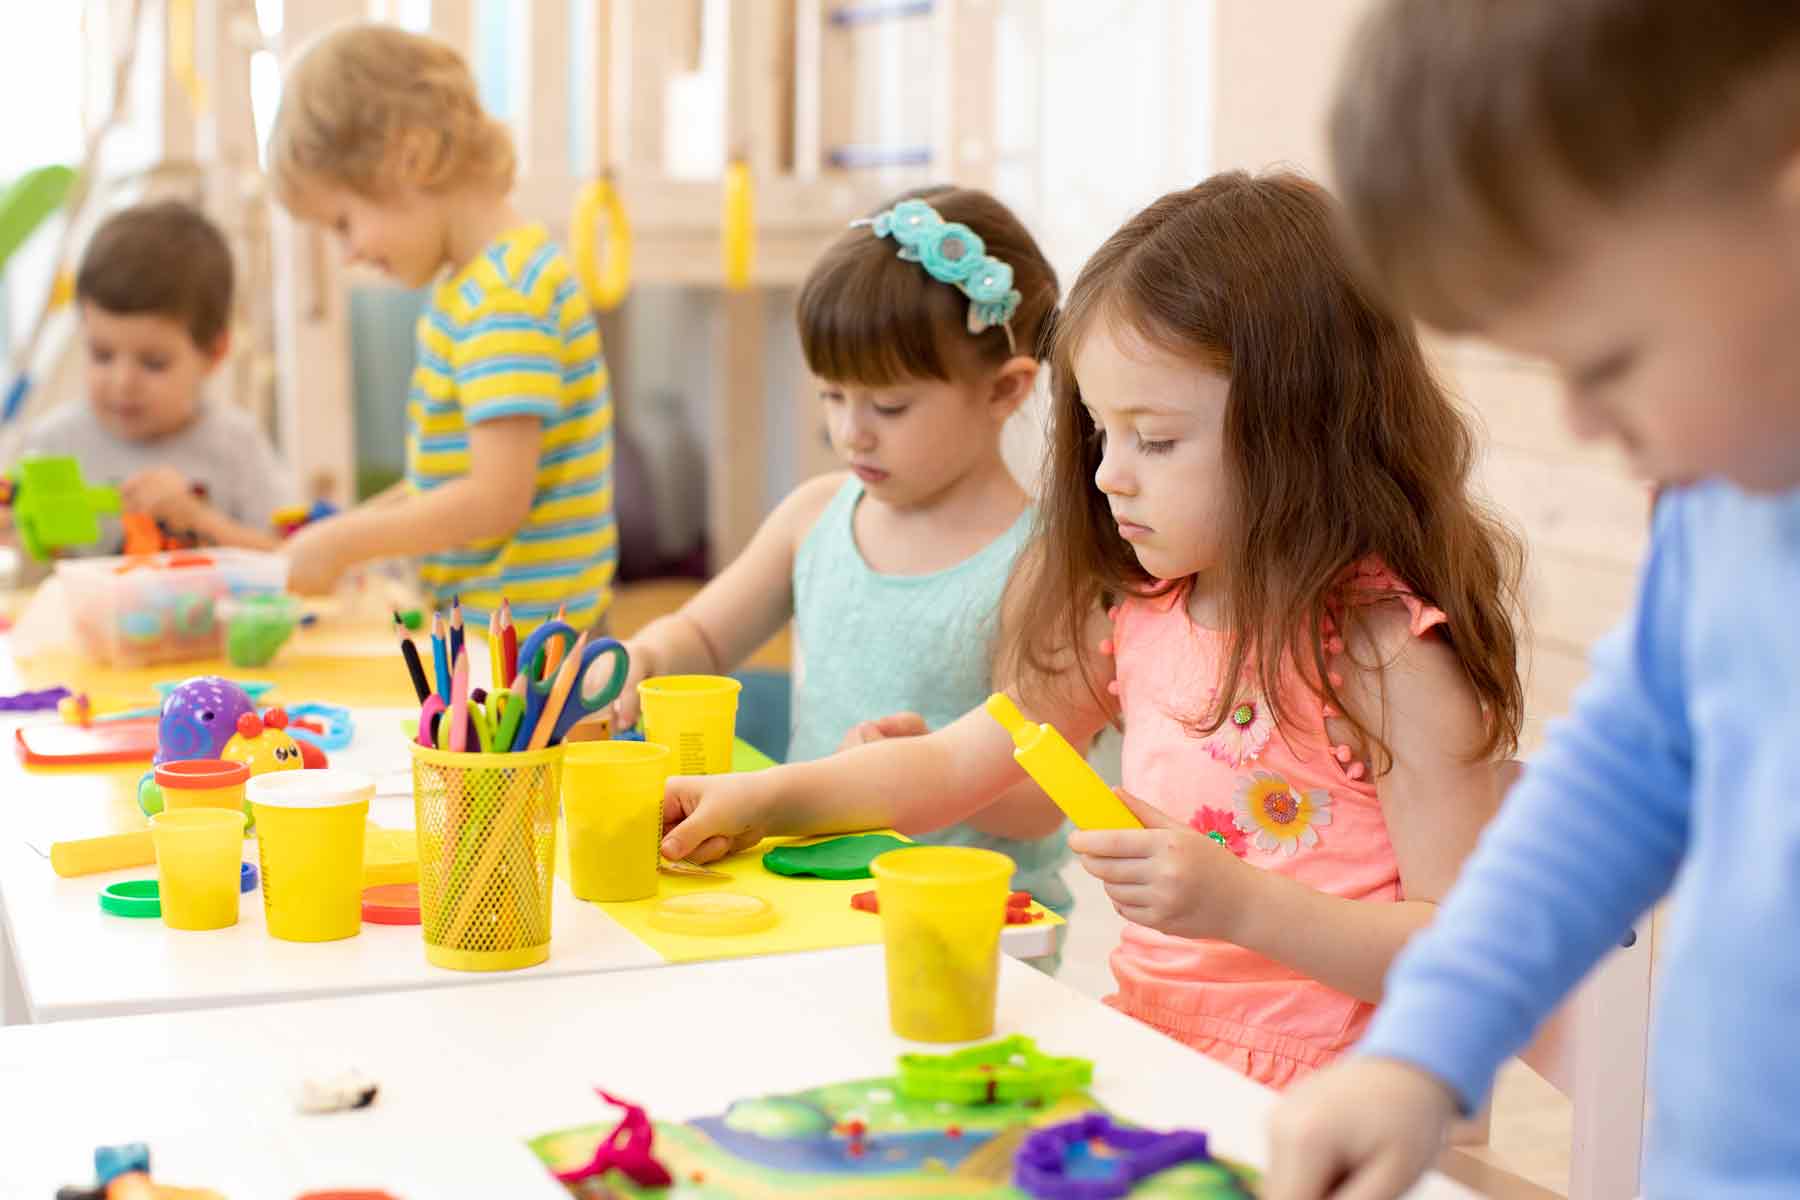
712	913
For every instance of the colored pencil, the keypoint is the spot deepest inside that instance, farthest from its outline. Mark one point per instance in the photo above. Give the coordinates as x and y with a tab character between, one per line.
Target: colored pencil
509	644
458	712
456	628
559	695
440	658
410	653
553	649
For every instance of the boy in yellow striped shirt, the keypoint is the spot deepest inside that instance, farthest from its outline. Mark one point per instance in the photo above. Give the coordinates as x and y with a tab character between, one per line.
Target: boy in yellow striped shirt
381	137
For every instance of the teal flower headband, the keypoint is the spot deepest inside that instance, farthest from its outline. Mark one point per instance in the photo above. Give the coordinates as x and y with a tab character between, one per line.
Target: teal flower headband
952	253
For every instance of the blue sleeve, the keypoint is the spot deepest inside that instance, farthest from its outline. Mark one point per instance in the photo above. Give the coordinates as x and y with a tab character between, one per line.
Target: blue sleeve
1589	839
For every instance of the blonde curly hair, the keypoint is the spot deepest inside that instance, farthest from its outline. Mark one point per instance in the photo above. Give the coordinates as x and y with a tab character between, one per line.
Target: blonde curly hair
373	107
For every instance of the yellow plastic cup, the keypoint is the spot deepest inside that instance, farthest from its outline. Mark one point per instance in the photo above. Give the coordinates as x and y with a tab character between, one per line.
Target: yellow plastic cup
695	716
942	908
612	797
310	832
202	783
199	859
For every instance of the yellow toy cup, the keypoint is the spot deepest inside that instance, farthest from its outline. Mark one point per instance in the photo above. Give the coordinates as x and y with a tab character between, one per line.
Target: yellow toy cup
202	783
942	908
612	797
695	716
199	858
309	832
487	855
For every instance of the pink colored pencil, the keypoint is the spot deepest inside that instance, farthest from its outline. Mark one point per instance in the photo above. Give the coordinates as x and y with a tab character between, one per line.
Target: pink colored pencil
458	712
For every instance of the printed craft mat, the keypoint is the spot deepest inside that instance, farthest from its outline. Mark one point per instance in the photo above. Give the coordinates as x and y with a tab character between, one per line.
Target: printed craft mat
803	1144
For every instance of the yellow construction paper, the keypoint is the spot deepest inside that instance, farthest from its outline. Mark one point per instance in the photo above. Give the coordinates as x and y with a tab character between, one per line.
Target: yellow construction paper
813	914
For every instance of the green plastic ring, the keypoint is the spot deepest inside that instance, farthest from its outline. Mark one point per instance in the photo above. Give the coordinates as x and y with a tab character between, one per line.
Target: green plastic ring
132	898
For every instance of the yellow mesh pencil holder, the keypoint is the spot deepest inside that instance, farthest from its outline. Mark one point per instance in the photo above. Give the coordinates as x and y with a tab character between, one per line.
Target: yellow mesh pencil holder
487	855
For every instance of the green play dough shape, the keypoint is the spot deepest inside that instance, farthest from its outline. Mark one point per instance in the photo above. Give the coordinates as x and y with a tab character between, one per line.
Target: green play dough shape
839	858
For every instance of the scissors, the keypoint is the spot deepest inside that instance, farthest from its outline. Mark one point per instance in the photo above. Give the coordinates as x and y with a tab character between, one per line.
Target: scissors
430	716
540	682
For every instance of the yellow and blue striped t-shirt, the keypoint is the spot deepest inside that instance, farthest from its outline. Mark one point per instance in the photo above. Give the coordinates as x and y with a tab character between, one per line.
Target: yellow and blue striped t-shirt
511	335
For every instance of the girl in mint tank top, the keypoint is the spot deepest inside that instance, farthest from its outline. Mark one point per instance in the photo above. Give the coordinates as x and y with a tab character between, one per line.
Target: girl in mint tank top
922	646
923	325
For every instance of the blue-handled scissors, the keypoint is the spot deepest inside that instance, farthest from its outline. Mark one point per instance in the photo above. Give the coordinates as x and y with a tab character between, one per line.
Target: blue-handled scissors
538	682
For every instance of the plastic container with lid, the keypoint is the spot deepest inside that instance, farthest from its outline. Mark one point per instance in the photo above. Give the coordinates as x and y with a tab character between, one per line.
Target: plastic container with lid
160	608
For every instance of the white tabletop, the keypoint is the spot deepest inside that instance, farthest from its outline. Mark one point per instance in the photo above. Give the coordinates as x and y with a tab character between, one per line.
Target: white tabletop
70	960
467	1074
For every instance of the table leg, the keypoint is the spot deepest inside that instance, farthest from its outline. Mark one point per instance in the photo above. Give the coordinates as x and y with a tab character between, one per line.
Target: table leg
13	1010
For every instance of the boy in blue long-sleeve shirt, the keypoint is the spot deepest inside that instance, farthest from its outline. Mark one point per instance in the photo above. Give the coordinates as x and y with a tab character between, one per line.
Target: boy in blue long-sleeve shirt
1612	186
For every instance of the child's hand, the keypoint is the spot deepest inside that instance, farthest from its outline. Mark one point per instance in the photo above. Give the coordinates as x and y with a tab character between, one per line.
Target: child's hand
625	710
165	494
1366	1128
710	816
897	725
1166	875
314	565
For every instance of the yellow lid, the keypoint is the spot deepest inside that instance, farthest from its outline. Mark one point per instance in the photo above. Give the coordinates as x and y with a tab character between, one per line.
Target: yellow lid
711	914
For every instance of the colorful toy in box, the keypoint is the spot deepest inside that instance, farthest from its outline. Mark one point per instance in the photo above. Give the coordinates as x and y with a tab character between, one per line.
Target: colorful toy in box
53	507
210	717
287	520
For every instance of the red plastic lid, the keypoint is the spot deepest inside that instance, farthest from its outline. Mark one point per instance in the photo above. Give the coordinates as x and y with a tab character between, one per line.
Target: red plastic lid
190	774
391	904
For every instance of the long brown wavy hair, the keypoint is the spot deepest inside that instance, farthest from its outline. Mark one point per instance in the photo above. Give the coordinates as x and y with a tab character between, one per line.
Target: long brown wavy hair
1339	446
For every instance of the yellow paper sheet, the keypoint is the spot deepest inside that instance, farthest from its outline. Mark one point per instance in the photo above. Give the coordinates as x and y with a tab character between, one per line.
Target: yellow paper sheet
813	914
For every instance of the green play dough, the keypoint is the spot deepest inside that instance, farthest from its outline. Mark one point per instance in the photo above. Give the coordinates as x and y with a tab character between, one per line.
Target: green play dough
839	858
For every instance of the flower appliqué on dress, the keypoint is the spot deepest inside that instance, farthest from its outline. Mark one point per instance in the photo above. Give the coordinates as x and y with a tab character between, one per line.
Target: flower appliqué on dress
1278	816
1243	735
1218	825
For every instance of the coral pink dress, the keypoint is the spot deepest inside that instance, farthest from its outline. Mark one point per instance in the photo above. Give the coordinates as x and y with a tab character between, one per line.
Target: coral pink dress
1287	799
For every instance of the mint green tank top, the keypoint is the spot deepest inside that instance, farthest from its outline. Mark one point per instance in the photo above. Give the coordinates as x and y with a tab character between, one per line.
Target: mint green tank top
871	644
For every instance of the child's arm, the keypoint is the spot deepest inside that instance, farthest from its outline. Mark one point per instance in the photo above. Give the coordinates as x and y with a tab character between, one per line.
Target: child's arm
910	783
1022	813
915	783
743	607
1590	837
488	503
1434	800
168	495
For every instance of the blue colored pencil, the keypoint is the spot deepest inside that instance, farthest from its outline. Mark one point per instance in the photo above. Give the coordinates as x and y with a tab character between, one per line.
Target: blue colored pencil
439	660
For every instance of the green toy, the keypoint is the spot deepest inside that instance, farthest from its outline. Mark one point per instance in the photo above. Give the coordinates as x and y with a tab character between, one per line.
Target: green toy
256	626
839	858
1010	1071
53	507
27	202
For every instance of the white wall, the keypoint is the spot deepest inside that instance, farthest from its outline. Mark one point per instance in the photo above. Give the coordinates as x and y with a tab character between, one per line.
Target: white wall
1584	521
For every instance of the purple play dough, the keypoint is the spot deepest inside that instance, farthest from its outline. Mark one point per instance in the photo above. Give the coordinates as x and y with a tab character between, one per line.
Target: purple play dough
1039	1167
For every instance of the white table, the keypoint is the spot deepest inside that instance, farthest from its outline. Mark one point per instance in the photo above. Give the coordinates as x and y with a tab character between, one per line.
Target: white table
467	1074
65	959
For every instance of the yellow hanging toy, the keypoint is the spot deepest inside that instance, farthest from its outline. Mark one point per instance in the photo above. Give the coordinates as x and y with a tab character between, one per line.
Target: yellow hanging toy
737	232
604	277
